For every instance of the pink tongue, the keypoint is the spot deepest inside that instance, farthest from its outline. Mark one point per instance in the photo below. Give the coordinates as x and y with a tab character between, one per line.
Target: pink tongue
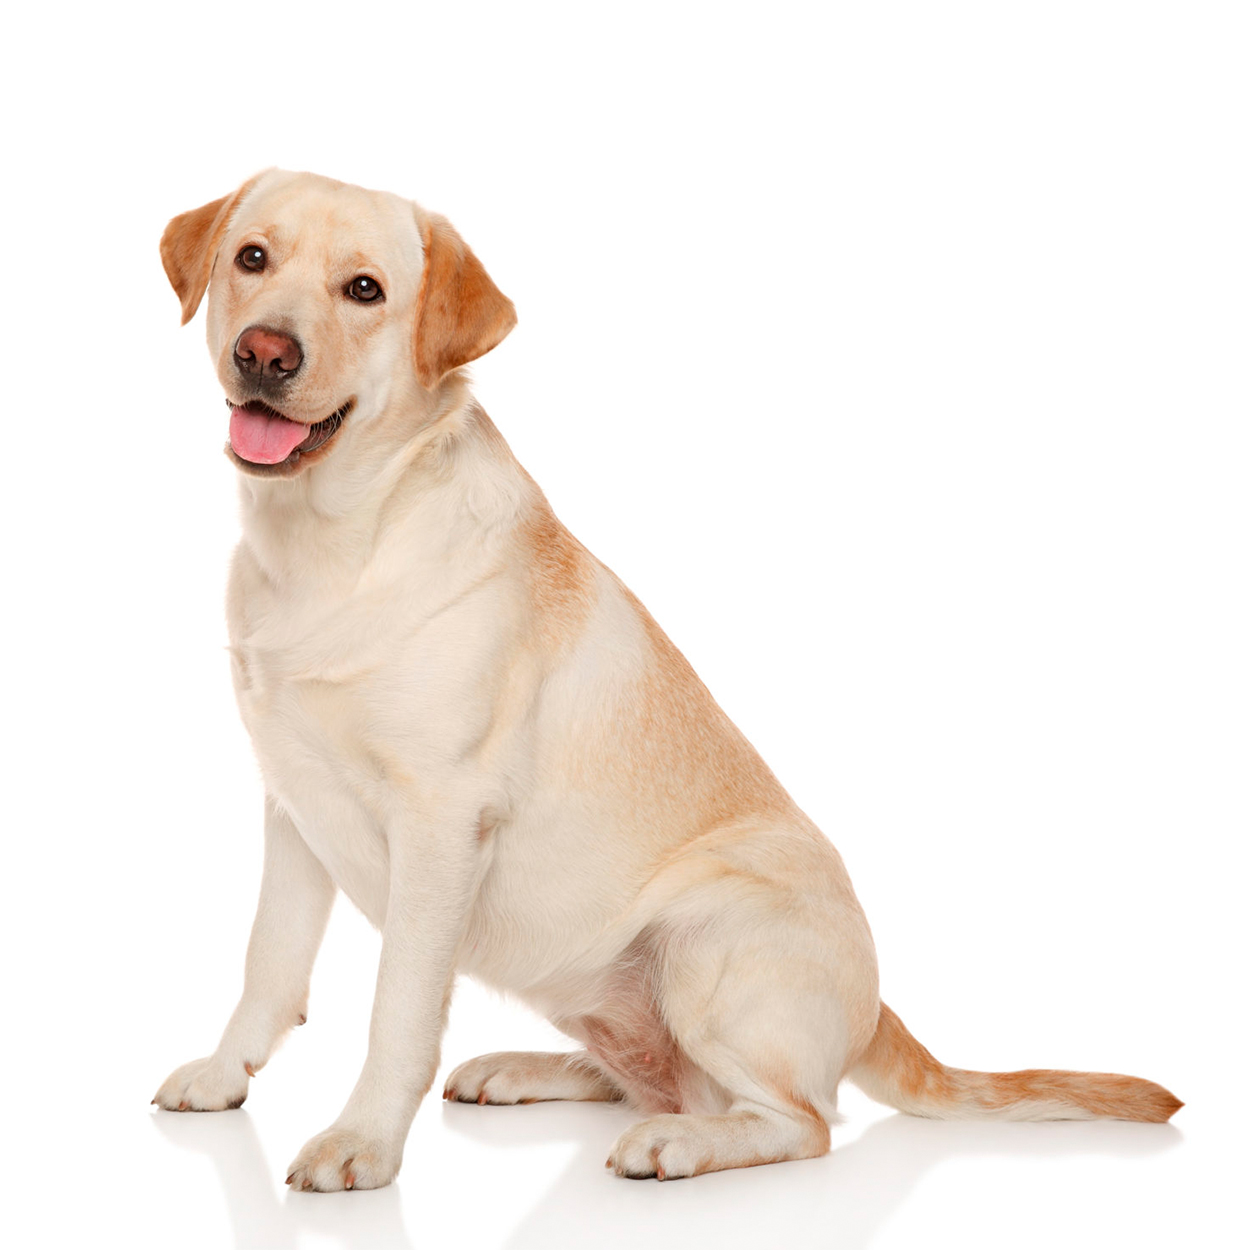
263	439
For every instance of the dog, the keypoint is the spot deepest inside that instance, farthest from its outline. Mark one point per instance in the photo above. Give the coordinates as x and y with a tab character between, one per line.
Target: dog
471	727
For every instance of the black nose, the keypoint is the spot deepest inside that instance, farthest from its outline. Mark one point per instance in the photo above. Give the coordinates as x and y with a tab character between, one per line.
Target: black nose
267	355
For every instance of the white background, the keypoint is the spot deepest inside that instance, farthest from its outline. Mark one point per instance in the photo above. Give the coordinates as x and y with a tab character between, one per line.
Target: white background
895	354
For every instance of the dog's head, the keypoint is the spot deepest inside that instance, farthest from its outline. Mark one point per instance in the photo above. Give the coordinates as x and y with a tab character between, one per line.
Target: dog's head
328	303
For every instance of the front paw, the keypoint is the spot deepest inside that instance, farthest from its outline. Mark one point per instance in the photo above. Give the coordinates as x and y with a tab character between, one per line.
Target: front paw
342	1159
204	1085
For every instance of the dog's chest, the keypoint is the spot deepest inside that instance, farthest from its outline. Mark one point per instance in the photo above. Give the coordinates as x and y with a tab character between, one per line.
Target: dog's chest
358	709
316	761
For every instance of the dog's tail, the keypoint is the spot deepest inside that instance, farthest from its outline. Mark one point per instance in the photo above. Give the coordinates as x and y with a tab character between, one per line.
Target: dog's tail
898	1071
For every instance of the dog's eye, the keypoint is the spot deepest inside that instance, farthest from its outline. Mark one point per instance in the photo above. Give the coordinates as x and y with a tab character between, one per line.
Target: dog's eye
251	258
364	289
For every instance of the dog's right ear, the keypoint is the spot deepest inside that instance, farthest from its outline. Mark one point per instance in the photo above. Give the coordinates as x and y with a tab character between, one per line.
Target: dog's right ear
189	247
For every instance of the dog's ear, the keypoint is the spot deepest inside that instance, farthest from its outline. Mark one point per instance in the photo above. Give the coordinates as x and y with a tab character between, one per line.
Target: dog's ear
461	313
189	247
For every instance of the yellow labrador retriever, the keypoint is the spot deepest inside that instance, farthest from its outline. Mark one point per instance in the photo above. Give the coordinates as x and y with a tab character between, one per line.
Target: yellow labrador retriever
472	728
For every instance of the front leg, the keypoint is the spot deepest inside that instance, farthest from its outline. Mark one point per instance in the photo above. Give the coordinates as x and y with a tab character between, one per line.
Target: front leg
296	894
427	909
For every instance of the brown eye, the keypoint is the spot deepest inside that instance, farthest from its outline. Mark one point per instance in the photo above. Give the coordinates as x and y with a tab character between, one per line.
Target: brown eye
364	289
251	258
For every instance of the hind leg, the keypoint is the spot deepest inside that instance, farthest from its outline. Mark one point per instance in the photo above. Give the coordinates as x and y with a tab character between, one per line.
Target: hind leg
669	1146
520	1076
743	1099
766	997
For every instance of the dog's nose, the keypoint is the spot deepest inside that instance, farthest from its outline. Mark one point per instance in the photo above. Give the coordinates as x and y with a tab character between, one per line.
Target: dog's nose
266	354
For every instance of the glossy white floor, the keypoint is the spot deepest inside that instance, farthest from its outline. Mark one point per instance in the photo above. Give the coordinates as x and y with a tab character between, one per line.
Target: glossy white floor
95	1157
894	355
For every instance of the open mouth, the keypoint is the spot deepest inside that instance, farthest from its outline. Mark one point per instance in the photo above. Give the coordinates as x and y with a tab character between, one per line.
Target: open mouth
262	440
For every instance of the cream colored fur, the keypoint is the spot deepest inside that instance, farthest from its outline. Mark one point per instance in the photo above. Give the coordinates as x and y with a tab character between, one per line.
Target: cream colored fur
468	725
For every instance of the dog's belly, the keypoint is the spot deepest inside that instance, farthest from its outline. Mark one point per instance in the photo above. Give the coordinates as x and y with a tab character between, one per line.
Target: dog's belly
537	906
557	899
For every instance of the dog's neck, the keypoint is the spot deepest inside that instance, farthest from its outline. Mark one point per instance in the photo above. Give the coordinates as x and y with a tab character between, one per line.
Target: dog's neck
438	462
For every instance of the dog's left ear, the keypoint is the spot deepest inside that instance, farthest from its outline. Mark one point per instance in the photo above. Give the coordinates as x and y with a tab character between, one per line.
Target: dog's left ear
189	247
461	313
